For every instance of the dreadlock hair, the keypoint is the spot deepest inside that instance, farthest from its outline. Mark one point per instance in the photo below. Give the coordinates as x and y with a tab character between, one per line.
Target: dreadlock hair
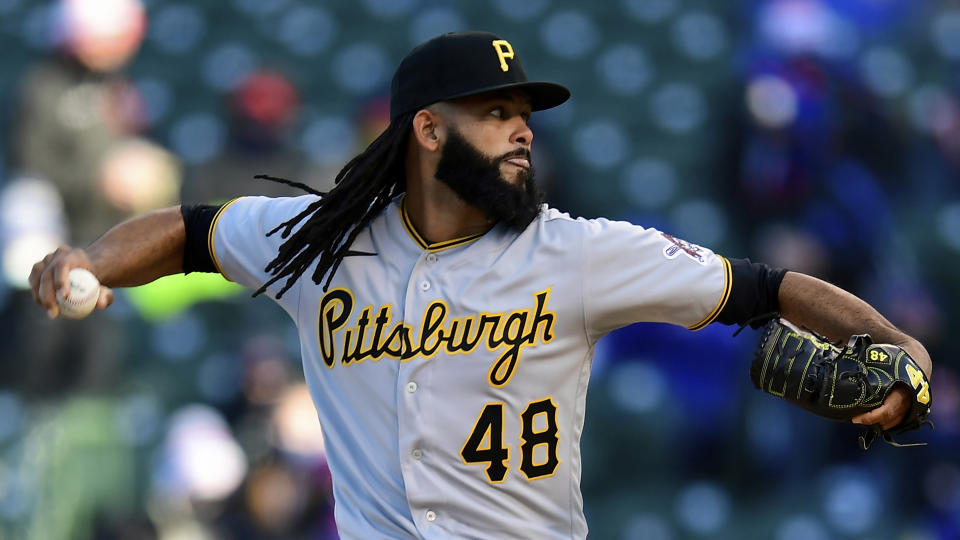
362	189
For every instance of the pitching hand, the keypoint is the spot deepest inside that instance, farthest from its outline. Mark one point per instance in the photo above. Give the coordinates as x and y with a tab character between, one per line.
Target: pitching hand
50	276
891	412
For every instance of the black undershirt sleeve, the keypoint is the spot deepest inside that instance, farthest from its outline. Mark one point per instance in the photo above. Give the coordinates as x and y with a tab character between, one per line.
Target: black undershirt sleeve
754	293
197	220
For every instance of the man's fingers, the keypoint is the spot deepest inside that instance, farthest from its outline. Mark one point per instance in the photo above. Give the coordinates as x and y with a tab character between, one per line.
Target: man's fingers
880	416
44	280
868	418
106	297
61	280
889	414
52	275
45	294
35	280
48	297
39	276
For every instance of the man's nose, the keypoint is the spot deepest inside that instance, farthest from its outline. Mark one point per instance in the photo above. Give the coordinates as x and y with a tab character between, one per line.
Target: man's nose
522	134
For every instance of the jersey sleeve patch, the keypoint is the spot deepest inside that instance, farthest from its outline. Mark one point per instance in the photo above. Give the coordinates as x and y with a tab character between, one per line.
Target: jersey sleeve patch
675	246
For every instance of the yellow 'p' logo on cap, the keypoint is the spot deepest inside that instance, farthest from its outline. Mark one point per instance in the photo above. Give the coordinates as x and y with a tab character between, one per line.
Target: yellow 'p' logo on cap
504	51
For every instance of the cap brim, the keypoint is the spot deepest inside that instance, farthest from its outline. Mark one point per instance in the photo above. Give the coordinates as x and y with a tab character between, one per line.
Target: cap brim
543	95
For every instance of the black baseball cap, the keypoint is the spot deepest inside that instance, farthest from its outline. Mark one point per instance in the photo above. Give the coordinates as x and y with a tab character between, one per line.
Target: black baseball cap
461	64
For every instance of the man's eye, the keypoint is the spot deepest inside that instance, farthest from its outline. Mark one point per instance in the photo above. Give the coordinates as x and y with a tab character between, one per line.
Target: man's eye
498	112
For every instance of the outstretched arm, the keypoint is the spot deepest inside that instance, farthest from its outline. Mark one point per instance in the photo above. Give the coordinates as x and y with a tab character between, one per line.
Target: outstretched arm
132	253
836	314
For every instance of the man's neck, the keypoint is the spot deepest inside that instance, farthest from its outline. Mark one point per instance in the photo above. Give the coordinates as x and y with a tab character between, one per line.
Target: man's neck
440	215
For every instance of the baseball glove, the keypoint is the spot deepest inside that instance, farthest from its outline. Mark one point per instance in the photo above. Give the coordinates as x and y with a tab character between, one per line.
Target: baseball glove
839	382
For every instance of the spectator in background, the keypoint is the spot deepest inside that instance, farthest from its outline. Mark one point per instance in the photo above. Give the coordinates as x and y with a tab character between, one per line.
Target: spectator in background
75	129
262	113
75	132
78	117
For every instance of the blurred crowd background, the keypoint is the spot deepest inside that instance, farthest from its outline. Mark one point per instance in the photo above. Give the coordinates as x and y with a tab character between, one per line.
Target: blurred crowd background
818	135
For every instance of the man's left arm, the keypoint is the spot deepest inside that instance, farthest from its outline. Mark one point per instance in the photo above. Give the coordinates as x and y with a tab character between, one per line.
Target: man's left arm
836	314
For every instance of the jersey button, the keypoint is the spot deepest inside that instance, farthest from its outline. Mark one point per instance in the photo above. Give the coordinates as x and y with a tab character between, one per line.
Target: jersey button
431	515
424	285
411	387
417	454
431	258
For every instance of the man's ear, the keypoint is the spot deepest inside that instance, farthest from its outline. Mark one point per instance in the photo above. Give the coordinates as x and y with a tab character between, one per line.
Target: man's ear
427	130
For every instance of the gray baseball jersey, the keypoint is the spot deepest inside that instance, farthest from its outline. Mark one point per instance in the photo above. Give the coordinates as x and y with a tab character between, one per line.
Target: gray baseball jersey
450	379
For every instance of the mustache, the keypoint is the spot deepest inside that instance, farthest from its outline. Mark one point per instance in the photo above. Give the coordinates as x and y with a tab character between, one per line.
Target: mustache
519	152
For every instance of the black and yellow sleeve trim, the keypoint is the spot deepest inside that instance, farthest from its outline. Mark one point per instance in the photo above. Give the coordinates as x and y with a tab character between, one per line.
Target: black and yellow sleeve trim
727	286
211	235
439	246
196	227
755	295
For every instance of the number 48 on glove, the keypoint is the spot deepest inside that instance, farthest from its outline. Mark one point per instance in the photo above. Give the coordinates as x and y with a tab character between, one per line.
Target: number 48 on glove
839	383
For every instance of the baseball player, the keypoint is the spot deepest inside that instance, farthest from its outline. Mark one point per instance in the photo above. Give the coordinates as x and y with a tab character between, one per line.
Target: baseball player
447	317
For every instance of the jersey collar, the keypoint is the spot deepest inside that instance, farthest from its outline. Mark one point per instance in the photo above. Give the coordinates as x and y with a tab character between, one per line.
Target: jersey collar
438	246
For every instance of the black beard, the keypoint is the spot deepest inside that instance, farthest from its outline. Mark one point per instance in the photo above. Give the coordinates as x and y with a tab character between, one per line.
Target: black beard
476	179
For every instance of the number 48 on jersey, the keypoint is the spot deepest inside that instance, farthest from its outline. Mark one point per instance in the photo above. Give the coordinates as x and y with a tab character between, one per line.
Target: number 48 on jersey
485	443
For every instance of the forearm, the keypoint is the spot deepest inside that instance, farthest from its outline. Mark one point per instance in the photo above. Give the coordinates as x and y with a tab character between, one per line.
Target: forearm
140	250
837	314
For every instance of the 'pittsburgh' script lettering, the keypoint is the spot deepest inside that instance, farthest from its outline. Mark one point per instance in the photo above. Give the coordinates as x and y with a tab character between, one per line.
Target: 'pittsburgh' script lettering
373	337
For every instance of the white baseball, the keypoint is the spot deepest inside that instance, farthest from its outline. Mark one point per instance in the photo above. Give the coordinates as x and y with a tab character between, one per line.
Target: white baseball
83	295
